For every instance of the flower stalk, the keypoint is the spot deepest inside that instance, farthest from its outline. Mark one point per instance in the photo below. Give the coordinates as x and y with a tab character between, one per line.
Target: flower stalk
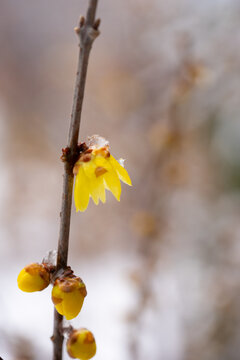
87	32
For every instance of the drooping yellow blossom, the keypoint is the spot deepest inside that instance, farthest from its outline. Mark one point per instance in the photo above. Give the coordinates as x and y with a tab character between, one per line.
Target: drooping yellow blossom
97	170
81	344
68	294
33	277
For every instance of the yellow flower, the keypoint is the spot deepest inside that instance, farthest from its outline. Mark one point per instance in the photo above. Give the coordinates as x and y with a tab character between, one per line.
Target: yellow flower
97	170
33	277
68	294
81	344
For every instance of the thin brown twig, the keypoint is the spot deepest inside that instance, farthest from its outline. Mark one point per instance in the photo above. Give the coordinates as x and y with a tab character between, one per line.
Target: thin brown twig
87	31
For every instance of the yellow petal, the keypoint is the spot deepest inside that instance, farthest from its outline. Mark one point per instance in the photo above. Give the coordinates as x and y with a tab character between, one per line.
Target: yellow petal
93	191
28	283
56	292
59	308
81	191
89	168
101	190
57	299
72	304
112	183
98	190
122	173
95	178
102	162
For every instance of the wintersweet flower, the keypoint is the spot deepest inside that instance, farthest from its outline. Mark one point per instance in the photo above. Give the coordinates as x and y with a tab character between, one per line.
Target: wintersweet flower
34	277
97	170
81	344
68	294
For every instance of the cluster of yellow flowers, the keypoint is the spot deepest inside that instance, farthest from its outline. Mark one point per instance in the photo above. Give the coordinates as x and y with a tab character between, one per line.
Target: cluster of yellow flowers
96	171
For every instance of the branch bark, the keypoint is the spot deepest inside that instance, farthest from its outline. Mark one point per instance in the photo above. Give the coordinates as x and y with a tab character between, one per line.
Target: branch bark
87	32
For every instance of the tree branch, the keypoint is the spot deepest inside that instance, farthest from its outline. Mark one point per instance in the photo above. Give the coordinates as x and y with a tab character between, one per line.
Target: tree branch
87	31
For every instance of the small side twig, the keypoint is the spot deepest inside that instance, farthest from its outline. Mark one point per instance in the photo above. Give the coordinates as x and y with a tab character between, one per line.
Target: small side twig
87	31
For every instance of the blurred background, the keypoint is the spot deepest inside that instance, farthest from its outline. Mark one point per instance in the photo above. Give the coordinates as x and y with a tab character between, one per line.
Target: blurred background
162	267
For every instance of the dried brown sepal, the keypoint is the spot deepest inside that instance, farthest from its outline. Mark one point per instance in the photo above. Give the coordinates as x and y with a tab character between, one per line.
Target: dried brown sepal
68	282
67	285
60	274
49	267
86	157
88	151
83	291
103	151
73	337
38	269
100	171
71	158
89	339
82	147
56	300
71	354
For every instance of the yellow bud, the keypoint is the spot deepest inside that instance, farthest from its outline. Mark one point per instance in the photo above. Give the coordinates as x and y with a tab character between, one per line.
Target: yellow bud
33	277
68	295
81	344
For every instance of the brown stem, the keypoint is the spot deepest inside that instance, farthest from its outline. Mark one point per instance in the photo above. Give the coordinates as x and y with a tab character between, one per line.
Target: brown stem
87	31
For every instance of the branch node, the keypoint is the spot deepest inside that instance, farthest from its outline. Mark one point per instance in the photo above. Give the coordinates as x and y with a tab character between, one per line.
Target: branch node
87	34
92	33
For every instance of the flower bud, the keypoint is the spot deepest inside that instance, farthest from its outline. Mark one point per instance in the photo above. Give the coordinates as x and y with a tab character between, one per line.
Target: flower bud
81	344
34	277
68	294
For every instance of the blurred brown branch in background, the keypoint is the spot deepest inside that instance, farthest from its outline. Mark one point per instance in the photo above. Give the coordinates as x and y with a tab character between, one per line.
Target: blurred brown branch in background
168	172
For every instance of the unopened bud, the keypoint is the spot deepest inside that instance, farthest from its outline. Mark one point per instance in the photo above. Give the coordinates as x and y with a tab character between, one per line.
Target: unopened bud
68	295
81	344
34	277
